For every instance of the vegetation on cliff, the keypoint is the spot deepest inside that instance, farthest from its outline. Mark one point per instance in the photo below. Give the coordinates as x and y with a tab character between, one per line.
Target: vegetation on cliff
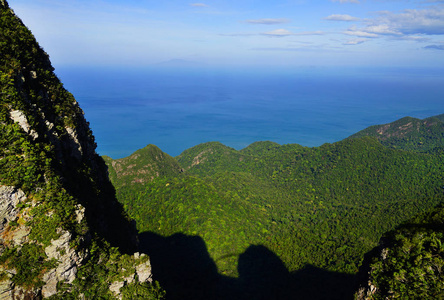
409	262
60	214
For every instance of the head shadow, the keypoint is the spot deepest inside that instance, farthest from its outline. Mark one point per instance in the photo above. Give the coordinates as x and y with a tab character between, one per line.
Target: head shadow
185	269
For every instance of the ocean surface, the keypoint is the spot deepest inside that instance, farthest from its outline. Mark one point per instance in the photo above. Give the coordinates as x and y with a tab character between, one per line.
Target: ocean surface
178	108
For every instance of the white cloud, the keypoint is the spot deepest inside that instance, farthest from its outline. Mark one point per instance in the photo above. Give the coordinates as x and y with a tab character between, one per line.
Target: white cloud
413	21
346	18
278	33
382	29
285	32
268	21
198	5
360	33
355	42
409	22
346	1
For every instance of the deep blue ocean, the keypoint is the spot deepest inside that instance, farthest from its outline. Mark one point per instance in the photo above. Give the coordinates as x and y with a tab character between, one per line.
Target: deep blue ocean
176	109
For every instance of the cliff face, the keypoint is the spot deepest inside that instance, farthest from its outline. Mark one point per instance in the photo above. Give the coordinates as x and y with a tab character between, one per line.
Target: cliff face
58	213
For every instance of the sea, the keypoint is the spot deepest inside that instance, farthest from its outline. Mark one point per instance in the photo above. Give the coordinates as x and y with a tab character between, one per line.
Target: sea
178	108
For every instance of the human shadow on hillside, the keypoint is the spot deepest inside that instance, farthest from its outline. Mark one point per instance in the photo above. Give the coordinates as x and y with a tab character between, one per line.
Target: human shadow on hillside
184	268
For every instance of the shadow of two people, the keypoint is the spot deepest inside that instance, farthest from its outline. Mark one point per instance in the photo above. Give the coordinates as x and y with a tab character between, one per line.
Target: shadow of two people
184	268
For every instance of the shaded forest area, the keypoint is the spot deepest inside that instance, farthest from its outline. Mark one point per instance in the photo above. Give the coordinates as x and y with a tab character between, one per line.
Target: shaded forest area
184	267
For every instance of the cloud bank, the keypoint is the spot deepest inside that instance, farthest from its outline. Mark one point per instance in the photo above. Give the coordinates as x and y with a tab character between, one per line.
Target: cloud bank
428	21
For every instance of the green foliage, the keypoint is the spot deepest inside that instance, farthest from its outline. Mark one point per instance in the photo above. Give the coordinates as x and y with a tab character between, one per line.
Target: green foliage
142	166
413	261
260	148
143	291
409	133
29	262
197	206
323	206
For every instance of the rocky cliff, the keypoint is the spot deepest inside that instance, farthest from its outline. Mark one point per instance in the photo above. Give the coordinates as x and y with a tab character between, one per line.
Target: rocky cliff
62	231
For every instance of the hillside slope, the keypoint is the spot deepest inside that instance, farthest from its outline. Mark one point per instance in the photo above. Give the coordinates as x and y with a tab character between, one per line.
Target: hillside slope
408	133
141	167
62	233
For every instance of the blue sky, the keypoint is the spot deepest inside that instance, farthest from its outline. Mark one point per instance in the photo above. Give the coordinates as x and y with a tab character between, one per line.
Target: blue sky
239	33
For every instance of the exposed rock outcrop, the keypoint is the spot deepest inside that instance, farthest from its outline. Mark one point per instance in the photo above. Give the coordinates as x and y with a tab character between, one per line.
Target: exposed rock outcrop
13	231
12	234
20	118
140	272
66	271
10	197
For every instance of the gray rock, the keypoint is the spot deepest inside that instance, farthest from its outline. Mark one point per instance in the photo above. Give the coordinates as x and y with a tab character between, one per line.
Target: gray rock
115	288
69	261
20	235
6	287
10	197
76	148
19	117
80	213
143	271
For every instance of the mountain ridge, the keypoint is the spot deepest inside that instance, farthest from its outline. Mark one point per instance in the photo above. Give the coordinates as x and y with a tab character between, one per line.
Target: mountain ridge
409	133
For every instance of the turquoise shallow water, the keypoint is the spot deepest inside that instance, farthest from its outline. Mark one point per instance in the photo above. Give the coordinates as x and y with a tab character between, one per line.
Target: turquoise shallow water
176	109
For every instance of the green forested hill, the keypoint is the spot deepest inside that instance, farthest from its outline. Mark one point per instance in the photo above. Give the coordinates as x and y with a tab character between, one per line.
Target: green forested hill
141	167
324	207
409	133
260	148
439	117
